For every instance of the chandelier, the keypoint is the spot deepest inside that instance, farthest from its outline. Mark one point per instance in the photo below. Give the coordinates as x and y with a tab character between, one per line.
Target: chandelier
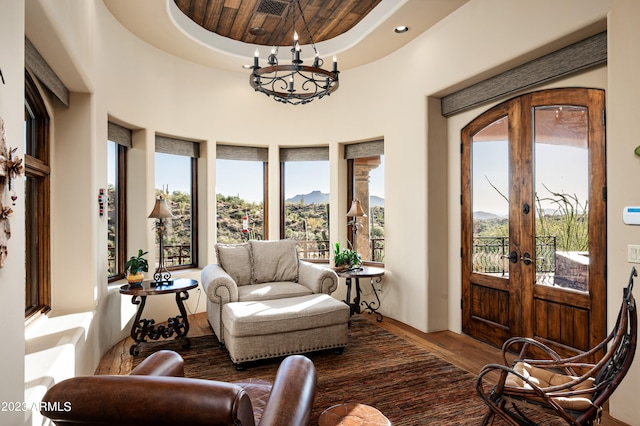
293	83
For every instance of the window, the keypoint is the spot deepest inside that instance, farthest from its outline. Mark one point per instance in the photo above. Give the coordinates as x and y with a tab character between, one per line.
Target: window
241	191
304	174
37	173
119	139
176	170
365	166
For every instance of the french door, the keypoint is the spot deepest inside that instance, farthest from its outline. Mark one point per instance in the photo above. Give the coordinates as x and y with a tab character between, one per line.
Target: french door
534	220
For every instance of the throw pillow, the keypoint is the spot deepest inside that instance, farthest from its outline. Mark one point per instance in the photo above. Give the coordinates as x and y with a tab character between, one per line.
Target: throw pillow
274	261
235	259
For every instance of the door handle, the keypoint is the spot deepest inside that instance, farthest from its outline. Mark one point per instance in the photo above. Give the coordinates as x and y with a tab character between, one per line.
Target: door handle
526	259
513	257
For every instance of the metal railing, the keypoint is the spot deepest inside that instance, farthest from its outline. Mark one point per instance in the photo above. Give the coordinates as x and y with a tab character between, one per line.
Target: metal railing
180	254
377	250
321	249
177	254
490	255
314	249
111	261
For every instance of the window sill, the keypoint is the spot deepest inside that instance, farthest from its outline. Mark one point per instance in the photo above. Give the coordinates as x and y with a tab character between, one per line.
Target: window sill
52	345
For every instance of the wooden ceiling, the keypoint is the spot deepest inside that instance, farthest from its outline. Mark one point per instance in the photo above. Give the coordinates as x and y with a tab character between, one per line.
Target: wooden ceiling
261	21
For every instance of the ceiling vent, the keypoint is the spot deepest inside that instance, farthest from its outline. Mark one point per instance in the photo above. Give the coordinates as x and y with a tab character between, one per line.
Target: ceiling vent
272	7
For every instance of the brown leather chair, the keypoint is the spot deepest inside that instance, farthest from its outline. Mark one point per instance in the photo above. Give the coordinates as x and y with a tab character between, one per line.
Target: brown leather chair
157	393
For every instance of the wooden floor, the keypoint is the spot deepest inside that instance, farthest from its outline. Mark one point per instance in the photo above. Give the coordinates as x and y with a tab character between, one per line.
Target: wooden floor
460	350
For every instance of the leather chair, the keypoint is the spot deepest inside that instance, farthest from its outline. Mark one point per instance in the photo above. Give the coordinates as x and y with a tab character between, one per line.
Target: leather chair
157	393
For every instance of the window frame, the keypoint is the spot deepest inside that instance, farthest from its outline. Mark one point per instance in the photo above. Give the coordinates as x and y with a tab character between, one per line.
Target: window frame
121	212
193	153
37	167
352	152
295	154
250	153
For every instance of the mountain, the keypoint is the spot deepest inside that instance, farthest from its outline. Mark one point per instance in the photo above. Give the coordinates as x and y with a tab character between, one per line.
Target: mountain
317	197
375	201
314	197
484	215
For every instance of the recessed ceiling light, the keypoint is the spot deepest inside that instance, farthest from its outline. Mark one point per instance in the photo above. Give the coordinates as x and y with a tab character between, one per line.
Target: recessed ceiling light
401	29
257	31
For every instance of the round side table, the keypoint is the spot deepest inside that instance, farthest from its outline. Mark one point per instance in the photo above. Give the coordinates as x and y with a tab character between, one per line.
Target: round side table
352	415
370	272
141	329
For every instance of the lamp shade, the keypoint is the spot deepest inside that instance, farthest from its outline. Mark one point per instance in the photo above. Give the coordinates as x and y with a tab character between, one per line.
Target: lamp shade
161	210
356	210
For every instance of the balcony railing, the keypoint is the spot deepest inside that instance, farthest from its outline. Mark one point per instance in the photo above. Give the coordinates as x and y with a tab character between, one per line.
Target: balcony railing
377	250
490	254
314	249
174	255
180	254
177	254
321	249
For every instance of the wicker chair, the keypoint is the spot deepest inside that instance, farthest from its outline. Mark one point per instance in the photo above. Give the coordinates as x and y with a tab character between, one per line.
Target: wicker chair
573	389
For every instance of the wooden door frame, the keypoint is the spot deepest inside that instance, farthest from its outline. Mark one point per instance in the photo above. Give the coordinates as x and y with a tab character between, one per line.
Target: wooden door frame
520	119
512	110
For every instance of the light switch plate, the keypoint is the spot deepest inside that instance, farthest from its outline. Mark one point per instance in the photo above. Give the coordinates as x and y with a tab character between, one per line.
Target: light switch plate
633	253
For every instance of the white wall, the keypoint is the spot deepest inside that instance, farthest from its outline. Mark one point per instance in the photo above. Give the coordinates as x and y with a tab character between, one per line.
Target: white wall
12	274
128	80
622	167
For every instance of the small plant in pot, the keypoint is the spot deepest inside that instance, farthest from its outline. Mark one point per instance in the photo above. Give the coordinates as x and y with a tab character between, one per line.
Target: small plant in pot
345	259
134	268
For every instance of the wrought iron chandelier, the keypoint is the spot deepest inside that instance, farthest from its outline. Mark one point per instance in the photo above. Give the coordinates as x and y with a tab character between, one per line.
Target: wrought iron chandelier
293	83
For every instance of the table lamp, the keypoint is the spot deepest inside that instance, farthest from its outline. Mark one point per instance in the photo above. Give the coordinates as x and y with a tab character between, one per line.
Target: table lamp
355	212
161	212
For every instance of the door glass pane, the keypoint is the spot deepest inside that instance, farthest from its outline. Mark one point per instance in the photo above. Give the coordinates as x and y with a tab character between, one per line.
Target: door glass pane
490	199
562	191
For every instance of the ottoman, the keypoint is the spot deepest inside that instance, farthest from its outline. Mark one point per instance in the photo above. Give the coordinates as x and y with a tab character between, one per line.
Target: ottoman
281	327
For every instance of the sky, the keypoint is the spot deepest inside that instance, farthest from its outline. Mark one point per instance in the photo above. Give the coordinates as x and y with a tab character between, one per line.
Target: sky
244	178
301	177
560	168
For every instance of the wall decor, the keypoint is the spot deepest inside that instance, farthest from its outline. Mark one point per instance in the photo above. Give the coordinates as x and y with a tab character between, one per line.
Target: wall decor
102	200
10	168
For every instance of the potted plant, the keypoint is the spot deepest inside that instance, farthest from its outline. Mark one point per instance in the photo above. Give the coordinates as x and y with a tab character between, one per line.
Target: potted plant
135	266
344	258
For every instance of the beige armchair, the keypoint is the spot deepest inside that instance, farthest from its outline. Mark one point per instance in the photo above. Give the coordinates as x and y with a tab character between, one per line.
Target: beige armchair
259	271
263	302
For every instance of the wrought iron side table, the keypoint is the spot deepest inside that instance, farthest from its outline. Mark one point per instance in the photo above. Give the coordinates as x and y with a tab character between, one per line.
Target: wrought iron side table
375	275
143	328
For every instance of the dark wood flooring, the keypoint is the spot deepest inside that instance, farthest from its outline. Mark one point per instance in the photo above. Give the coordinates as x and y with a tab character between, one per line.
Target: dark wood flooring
460	350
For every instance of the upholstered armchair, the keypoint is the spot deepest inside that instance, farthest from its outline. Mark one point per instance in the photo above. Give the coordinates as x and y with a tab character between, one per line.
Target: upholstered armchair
258	271
157	393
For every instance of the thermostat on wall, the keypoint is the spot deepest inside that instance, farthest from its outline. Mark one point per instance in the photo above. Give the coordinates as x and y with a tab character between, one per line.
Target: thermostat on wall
631	215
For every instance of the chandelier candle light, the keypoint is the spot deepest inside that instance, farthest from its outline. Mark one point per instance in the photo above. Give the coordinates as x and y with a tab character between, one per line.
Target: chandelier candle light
294	83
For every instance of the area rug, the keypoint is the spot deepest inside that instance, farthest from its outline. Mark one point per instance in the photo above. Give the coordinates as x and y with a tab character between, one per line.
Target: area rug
410	385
